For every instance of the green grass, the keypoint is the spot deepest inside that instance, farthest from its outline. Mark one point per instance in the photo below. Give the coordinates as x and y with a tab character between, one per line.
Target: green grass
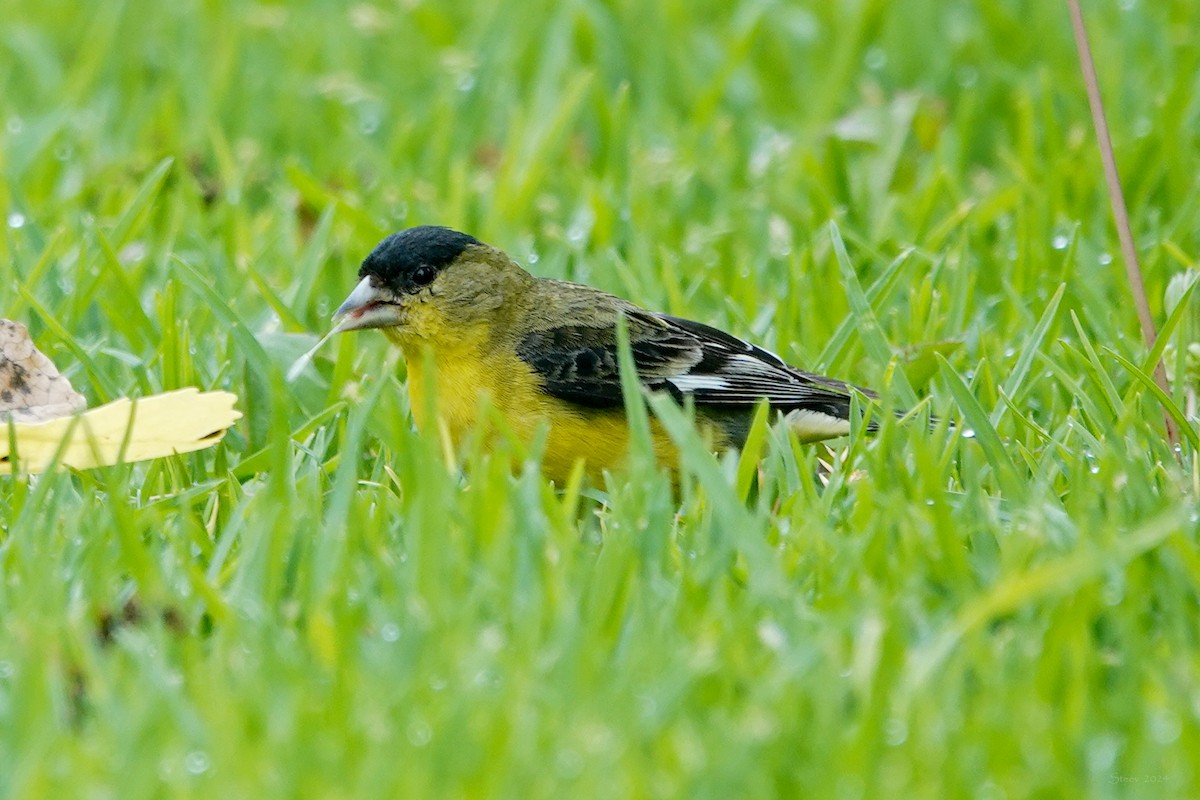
906	195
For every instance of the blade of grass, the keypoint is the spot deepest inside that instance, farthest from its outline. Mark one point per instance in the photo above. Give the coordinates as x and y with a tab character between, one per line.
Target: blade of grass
1097	372
147	191
1169	407
1012	384
1178	314
878	290
1116	195
866	323
1054	577
990	442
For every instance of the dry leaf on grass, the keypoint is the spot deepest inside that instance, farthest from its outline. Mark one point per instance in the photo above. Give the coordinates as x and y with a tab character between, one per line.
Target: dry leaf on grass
31	390
40	412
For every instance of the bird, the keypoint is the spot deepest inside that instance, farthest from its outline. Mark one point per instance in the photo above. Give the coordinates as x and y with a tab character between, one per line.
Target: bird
544	354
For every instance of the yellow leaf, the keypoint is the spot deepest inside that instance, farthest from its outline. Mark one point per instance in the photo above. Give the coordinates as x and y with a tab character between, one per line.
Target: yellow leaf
149	427
38	405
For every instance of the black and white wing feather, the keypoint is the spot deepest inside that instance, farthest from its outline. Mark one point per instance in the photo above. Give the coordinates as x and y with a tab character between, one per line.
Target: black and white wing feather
578	364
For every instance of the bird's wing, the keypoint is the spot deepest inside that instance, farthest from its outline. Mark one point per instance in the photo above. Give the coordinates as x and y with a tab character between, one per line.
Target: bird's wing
578	363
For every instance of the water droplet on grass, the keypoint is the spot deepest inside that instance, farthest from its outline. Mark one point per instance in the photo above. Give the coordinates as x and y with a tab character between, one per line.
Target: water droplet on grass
895	732
1165	726
1102	751
771	635
1060	242
196	762
132	253
16	220
419	733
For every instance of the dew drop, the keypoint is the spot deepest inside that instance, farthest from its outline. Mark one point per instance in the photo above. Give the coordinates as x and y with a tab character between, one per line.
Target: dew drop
16	220
196	762
1165	726
895	732
419	733
771	635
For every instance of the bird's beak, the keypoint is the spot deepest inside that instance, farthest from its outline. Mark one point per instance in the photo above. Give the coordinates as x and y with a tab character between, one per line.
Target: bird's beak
368	307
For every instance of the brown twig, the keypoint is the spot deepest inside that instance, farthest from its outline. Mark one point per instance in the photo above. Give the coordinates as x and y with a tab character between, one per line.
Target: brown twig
1116	196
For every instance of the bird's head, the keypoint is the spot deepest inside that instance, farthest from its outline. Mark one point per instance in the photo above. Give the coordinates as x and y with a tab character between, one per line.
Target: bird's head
429	279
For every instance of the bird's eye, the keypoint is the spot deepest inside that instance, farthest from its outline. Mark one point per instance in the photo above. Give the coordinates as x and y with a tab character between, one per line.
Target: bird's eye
423	275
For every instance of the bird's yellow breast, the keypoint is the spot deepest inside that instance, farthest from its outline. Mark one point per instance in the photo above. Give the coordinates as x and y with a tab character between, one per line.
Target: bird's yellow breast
455	382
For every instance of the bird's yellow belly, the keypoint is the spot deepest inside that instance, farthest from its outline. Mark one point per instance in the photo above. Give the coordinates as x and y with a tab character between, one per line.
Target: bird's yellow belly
453	397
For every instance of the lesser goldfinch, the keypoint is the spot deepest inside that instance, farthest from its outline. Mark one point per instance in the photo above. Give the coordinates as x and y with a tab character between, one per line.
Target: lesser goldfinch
545	354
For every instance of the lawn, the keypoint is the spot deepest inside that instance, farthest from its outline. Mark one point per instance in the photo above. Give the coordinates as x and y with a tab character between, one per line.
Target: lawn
903	195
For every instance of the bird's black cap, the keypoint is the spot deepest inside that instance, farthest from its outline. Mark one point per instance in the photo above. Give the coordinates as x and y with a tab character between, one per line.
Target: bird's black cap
399	256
